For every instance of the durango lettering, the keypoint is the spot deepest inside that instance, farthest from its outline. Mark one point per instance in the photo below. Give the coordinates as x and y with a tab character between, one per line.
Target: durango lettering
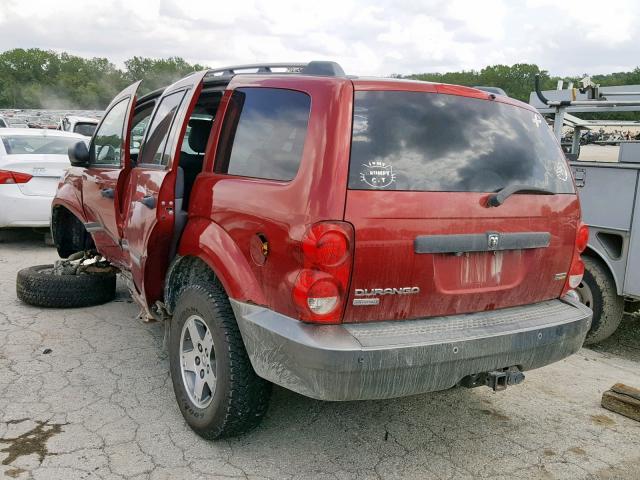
366	292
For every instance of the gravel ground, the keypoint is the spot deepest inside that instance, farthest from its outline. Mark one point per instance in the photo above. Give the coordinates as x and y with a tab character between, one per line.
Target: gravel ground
86	394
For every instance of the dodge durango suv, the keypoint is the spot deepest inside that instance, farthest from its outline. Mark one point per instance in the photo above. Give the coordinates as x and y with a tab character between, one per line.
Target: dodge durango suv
346	238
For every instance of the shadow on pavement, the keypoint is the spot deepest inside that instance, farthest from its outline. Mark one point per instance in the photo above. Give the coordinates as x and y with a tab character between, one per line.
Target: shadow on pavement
625	342
32	237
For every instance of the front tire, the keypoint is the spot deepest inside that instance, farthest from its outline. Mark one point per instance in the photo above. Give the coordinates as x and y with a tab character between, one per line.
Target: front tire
598	291
217	390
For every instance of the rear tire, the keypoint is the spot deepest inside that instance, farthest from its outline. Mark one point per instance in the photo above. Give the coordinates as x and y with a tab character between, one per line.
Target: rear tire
238	399
598	291
39	287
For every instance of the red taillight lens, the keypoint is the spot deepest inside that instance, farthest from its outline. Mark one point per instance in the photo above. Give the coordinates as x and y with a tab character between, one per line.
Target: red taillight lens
325	246
576	270
321	286
582	237
7	177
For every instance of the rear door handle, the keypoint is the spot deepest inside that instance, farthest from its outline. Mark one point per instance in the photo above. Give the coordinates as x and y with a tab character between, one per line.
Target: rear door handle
107	192
148	201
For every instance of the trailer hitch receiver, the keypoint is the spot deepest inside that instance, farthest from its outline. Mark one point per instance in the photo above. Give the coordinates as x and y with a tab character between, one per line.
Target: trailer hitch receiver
497	380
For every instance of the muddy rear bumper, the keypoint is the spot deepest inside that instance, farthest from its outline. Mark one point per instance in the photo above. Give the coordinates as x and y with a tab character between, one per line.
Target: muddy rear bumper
393	359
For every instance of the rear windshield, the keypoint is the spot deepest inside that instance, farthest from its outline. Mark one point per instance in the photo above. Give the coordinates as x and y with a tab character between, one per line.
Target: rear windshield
85	129
33	145
433	142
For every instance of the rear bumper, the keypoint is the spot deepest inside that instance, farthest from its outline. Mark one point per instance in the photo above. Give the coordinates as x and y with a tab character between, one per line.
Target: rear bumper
399	358
20	210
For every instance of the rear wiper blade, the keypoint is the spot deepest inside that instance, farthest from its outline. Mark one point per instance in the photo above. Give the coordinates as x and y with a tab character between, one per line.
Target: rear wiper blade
498	198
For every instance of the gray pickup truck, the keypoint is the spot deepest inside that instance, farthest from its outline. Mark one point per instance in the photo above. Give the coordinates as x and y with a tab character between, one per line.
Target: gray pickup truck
606	169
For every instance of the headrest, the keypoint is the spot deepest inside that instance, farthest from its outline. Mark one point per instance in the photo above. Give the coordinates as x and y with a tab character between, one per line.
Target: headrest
199	135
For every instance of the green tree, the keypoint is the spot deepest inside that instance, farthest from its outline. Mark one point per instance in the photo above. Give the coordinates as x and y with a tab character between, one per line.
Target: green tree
157	73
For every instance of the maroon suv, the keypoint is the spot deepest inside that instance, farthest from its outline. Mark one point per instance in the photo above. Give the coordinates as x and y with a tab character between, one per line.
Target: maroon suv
346	238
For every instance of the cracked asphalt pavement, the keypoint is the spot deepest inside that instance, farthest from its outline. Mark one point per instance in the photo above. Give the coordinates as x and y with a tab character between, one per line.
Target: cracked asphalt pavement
86	394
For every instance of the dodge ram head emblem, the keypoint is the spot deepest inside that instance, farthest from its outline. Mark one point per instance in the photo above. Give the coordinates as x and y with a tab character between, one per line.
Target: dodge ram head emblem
493	240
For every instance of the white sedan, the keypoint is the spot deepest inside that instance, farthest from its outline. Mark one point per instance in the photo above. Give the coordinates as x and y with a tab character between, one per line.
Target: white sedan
32	161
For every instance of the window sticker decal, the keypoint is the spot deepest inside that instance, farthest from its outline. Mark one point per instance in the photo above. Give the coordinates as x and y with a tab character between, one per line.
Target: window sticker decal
537	120
561	172
377	174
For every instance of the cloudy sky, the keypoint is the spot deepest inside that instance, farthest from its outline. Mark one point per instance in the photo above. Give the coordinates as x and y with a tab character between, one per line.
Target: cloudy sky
366	37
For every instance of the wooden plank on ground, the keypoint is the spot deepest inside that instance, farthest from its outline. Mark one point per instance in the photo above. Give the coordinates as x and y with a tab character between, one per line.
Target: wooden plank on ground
624	400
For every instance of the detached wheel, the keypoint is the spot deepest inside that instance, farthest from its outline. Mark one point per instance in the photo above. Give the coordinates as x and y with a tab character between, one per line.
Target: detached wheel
598	292
39	286
217	390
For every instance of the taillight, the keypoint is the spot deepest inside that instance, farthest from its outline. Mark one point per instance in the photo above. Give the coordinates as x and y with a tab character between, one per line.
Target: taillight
7	177
320	289
575	273
576	270
582	237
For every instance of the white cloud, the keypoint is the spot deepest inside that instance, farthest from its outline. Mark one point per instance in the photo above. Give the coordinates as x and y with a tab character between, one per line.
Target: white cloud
569	37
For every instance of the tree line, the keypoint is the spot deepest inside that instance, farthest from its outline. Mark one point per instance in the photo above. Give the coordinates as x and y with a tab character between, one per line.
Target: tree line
518	79
36	78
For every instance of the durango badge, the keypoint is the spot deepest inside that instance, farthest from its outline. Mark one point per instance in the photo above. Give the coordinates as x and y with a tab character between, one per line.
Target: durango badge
377	174
365	292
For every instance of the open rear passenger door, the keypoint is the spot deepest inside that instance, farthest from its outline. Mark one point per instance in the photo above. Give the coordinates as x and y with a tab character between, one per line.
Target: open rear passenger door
151	196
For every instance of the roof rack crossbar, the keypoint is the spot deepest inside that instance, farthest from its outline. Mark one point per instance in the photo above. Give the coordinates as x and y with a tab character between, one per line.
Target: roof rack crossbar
319	68
260	67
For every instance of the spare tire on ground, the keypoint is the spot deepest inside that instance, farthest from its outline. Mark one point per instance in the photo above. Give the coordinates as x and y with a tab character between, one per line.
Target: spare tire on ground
41	287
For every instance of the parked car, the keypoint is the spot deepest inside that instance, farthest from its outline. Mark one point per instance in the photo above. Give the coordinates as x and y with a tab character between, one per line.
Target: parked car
82	125
346	238
31	165
3	123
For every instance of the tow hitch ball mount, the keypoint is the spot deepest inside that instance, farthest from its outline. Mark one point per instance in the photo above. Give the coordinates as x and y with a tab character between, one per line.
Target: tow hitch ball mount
497	380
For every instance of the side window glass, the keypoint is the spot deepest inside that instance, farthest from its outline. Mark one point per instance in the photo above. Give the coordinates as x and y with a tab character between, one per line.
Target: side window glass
264	132
106	148
153	150
138	127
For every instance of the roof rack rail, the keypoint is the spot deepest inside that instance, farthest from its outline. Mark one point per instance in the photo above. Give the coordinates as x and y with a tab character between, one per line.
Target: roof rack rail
311	68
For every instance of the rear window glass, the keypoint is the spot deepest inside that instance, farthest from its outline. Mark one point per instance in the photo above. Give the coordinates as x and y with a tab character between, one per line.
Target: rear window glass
264	132
33	145
85	129
432	142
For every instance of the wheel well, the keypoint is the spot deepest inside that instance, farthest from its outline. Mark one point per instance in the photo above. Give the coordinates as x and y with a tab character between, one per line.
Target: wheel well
182	272
68	233
589	252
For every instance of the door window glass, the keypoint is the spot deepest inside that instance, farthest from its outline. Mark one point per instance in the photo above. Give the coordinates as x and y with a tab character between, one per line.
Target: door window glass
106	148
153	150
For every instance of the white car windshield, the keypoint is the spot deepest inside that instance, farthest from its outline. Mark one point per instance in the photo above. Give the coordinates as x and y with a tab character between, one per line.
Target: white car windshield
34	145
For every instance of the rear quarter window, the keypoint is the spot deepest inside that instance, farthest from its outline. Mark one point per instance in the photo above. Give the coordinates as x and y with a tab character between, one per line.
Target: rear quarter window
433	142
37	145
263	133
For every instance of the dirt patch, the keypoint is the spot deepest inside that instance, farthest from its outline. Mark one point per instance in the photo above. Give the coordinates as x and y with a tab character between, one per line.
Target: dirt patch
14	472
494	414
33	441
577	451
603	420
